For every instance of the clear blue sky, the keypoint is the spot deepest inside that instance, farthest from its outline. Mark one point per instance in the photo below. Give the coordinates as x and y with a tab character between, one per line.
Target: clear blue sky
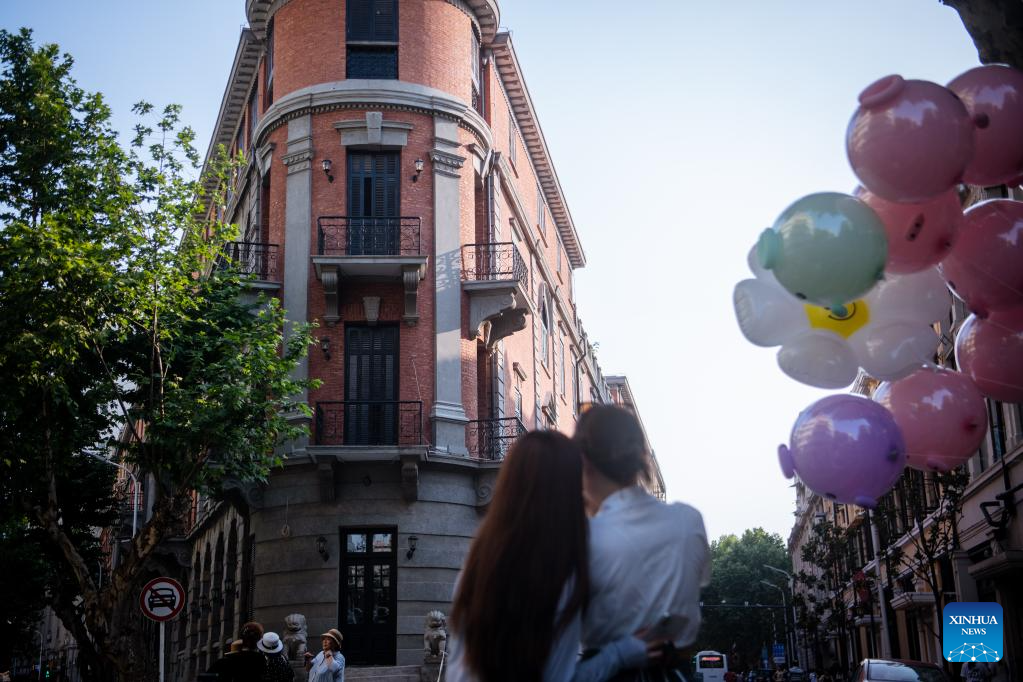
678	132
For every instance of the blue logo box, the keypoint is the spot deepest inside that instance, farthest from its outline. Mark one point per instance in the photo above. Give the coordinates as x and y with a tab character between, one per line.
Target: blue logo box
972	631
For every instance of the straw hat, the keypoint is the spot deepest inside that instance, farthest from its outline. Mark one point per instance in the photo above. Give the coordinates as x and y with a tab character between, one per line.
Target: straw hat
334	635
236	646
270	644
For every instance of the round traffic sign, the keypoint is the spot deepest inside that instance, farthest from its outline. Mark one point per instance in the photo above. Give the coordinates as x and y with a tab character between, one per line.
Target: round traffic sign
162	598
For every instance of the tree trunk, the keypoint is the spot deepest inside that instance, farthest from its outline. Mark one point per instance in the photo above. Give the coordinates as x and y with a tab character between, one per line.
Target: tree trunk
996	27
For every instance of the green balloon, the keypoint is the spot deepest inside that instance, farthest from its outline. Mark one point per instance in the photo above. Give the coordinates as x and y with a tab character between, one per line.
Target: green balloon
827	248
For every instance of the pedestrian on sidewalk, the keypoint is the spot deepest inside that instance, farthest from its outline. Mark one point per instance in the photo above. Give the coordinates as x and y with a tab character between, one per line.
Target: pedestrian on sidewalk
647	559
278	668
329	664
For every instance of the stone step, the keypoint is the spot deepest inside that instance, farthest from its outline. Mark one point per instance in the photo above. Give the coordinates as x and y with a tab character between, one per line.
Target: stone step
396	673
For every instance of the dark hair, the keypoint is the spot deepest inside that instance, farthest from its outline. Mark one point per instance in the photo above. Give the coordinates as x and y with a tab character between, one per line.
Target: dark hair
250	634
531	543
612	440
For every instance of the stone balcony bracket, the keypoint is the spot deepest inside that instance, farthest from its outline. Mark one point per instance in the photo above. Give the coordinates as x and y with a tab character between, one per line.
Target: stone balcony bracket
331	270
496	309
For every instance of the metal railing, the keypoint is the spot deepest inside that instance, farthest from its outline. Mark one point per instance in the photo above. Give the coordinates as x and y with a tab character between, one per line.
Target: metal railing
499	261
490	439
346	236
369	422
253	258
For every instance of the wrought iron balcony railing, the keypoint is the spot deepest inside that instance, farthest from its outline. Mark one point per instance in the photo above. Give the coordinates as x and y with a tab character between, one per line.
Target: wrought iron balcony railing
254	258
345	236
369	422
495	262
490	439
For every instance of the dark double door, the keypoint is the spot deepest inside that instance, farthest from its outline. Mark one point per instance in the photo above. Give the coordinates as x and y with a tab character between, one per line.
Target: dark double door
369	613
371	385
374	228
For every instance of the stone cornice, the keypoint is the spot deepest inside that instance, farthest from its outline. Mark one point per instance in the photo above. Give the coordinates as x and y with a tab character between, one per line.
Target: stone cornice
507	65
385	95
232	106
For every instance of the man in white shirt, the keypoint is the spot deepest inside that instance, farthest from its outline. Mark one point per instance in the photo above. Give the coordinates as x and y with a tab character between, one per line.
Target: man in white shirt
648	559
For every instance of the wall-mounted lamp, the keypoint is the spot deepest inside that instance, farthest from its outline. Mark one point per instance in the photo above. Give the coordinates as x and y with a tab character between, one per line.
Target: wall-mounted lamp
419	169
321	547
325	346
412	542
326	169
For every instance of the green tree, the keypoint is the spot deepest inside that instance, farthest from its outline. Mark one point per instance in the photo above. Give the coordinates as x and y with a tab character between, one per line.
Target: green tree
732	621
116	319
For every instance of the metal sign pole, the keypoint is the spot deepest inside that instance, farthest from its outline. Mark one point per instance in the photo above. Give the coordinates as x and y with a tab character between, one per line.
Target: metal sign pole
162	624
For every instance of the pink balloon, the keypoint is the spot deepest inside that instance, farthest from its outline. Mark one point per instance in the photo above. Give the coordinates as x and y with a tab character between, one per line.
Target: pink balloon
846	448
942	416
990	351
993	95
909	141
919	235
985	267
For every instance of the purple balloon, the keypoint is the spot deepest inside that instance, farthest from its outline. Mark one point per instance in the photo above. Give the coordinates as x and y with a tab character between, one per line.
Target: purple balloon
847	448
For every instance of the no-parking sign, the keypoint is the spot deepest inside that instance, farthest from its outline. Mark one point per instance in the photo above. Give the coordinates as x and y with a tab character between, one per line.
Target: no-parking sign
162	599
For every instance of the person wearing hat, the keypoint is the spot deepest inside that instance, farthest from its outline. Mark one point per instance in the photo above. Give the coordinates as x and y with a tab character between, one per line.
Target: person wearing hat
329	664
278	669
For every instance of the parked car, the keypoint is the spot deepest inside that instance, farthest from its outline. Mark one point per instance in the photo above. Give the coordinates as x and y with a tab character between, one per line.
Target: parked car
895	670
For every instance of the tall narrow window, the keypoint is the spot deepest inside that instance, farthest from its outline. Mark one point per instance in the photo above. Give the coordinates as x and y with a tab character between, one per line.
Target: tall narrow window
996	419
373	204
477	74
545	326
558	240
541	220
561	362
575	384
372	39
268	87
253	115
512	139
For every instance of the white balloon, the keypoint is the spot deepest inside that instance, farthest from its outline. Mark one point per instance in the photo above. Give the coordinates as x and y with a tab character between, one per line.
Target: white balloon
819	358
918	296
894	350
766	315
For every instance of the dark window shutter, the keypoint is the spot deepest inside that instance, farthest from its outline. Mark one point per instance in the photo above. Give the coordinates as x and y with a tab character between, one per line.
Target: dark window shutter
385	20
372	20
359	19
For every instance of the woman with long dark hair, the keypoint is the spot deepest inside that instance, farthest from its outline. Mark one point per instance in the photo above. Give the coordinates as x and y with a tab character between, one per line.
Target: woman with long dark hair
517	610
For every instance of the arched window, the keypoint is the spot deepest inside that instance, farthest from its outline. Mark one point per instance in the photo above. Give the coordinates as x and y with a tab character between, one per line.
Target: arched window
544	307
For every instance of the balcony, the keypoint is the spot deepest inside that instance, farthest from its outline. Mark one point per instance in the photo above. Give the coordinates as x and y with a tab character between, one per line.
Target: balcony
490	439
494	276
369	248
257	259
369	422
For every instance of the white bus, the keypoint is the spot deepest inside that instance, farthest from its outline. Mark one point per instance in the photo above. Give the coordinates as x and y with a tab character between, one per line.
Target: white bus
710	666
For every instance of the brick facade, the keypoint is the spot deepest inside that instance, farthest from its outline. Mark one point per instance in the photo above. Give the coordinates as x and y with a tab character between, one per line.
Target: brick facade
474	189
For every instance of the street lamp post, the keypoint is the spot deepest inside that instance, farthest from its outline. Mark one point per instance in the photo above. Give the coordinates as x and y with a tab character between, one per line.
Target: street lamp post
136	492
792	589
785	614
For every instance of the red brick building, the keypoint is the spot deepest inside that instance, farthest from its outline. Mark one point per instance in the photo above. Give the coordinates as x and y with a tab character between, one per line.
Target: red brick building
399	193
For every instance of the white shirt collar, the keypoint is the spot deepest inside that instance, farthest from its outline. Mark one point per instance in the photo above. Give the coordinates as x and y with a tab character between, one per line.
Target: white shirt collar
623	499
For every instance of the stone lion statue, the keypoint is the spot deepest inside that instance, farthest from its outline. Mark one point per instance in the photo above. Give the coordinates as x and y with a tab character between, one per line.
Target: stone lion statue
294	636
435	639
